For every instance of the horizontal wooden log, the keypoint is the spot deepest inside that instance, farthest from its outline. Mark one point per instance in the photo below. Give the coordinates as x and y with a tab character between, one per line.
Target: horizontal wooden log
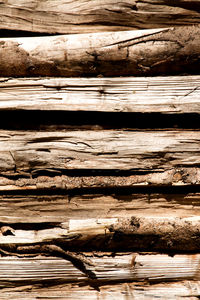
55	209
170	290
30	152
92	16
15	209
55	180
150	268
23	182
177	94
165	234
140	53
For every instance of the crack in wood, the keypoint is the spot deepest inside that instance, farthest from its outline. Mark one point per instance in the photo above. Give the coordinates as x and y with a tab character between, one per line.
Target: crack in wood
137	39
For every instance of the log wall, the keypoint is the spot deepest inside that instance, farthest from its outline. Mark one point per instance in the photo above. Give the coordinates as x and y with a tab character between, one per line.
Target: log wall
99	149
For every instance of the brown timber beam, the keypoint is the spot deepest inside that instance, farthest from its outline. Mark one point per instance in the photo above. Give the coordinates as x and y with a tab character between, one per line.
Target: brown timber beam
131	53
80	16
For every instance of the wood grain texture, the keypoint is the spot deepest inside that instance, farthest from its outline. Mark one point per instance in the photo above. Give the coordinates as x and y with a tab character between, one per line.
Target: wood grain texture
150	268
51	225
125	291
165	234
29	152
150	52
80	16
173	95
55	209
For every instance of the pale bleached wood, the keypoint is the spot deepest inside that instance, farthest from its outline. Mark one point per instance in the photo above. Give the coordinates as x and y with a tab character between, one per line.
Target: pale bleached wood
53	16
30	152
160	157
177	94
187	289
123	53
61	208
151	268
165	234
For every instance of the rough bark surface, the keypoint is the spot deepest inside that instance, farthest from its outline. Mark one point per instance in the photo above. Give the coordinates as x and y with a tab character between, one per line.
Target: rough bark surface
54	180
141	53
180	94
80	16
164	234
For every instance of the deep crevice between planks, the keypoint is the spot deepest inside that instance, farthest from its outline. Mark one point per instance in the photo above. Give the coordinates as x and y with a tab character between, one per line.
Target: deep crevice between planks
71	120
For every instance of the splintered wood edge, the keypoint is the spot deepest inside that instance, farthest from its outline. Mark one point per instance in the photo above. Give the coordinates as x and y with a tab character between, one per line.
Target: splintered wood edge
44	209
144	233
29	153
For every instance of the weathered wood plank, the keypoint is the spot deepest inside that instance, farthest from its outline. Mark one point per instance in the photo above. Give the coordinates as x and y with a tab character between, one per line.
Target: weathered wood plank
54	209
177	94
124	53
150	268
187	289
91	16
165	234
30	152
